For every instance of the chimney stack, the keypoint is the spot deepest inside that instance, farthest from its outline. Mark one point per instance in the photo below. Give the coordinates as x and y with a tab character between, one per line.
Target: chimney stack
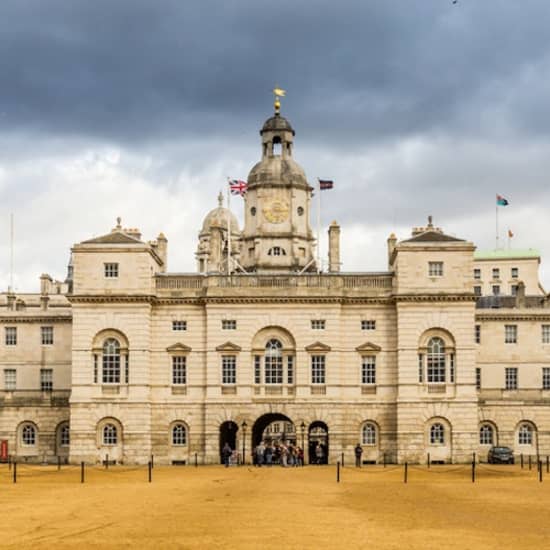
334	248
162	250
392	241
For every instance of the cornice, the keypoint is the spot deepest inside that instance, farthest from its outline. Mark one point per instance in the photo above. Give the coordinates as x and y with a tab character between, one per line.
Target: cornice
110	298
37	319
513	316
435	298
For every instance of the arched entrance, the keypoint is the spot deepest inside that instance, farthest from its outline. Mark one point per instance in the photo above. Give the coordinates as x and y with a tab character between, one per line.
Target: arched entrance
228	434
283	429
318	436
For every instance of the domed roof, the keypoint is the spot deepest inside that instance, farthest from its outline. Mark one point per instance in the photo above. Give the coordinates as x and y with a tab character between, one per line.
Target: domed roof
276	122
277	170
218	218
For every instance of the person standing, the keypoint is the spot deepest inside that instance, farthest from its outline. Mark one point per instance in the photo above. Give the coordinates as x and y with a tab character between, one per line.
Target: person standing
260	449
268	453
358	454
319	454
226	454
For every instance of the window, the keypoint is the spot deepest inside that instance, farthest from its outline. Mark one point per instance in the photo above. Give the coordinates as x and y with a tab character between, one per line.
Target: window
276	251
515	272
546	378
368	324
229	324
436	361
496	290
10	377
274	362
477	334
514	290
11	336
28	435
179	435
111	362
496	273
229	369
478	378
435	269
111	270
179	325
486	435
47	335
369	434
477	290
546	334
510	334
179	369
368	370
477	273
290	370
452	368
110	434
65	436
420	368
257	369
437	434
511	378
46	379
525	434
95	368
318	324
317	369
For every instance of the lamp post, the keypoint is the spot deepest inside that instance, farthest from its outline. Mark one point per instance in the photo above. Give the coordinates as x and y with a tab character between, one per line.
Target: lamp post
244	425
303	428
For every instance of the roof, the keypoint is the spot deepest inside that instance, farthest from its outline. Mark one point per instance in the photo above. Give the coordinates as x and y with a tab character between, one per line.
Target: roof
433	237
116	237
512	254
277	122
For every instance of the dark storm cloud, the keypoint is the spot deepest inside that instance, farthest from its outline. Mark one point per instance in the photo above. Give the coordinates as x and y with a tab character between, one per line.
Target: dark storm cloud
356	71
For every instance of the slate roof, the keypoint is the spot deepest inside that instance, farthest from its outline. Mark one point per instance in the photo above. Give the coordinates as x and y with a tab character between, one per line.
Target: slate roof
117	237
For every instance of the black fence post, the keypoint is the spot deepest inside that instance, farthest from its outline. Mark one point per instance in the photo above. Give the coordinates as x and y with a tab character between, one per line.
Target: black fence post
547	464
9	462
342	460
150	468
406	473
152	461
15	471
474	456
58	462
82	472
428	460
529	462
196	461
521	458
473	470
384	459
106	462
540	471
338	472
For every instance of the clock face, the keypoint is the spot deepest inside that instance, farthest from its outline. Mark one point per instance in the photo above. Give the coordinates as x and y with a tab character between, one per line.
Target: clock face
276	211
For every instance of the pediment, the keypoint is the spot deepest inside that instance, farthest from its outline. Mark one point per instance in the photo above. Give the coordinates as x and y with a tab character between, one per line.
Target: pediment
368	346
229	346
179	347
318	346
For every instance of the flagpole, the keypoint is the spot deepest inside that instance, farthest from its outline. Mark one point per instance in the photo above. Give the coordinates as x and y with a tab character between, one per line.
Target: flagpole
228	229
496	218
319	227
10	289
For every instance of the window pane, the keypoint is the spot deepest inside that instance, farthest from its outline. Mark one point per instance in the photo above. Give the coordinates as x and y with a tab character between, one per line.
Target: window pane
46	379
179	370
47	335
368	371
317	369
229	369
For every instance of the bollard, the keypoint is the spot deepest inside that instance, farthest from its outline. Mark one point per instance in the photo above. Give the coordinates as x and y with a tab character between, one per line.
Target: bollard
106	462
473	470
521	458
529	462
196	461
540	471
474	456
428	460
9	462
15	471
342	460
58	462
406	474
547	464
338	472
82	472
150	468
384	459
152	461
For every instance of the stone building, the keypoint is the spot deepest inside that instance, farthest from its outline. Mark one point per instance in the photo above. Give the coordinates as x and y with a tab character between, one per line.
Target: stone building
444	354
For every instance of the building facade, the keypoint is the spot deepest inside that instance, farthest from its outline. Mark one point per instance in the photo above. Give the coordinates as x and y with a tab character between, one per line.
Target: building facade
444	354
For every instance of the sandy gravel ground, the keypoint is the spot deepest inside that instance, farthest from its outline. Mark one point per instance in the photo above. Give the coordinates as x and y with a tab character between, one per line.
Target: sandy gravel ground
246	507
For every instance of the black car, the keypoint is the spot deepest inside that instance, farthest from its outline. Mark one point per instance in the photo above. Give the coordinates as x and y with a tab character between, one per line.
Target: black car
500	455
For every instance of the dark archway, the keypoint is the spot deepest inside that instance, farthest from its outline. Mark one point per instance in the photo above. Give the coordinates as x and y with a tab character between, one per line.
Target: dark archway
228	434
263	422
318	435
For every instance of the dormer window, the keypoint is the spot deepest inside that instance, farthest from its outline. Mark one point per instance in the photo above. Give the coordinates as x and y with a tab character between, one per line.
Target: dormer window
111	270
435	269
276	251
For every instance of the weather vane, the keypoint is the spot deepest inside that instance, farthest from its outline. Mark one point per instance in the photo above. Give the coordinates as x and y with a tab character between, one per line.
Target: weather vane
278	92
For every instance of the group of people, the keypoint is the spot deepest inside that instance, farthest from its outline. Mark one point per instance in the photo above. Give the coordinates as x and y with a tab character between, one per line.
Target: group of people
268	453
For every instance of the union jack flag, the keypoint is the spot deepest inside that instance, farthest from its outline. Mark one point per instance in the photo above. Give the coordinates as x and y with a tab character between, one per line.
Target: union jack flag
238	187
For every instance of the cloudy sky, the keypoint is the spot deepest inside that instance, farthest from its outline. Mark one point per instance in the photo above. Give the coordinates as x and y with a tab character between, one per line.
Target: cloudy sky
141	108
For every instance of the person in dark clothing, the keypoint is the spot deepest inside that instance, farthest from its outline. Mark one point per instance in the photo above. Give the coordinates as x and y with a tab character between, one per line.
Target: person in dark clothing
226	454
358	453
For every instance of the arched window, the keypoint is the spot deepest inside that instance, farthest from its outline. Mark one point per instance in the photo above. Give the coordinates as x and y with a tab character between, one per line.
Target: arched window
369	434
437	434
436	360
111	361
486	435
525	434
274	362
64	436
179	435
110	435
28	435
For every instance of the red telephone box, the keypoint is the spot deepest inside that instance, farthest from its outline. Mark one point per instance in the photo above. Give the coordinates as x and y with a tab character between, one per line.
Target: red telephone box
4	450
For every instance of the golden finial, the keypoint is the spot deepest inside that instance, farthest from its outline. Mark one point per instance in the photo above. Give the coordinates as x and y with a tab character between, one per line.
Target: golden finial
278	92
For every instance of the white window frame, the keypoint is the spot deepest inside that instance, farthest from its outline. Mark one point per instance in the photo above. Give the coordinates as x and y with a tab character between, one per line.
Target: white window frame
229	324
318	369
29	435
10	379
368	324
111	362
486	434
109	434
546	378
46	380
368	370
229	370
511	378
318	324
46	335
179	370
510	334
273	362
110	270
545	334
369	434
64	435
435	269
178	435
437	434
436	361
179	325
525	434
10	336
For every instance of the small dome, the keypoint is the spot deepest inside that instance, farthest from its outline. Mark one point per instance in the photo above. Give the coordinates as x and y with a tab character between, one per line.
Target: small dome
277	170
218	218
276	122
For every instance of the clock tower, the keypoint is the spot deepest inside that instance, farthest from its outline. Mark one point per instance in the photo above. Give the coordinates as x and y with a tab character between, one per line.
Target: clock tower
277	236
